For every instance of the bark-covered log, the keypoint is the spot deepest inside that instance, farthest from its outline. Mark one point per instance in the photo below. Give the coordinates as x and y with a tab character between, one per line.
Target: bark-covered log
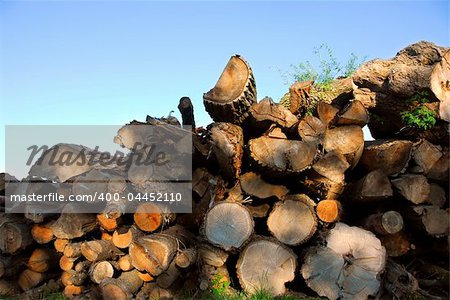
293	221
389	222
391	156
327	113
266	264
15	234
253	184
233	94
348	267
281	156
228	225
211	255
186	258
227	141
187	112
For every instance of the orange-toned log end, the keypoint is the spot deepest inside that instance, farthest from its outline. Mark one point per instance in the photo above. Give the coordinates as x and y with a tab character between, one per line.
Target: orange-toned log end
41	260
106	223
122	239
106	236
42	233
145	277
328	210
67	263
148	217
60	244
71	291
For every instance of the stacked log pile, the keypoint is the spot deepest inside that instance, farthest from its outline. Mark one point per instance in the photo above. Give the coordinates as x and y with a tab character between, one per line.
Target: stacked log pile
285	199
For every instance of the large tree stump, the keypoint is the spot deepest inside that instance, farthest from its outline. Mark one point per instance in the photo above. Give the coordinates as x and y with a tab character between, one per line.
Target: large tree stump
293	221
227	141
265	264
233	94
348	267
228	225
345	140
281	156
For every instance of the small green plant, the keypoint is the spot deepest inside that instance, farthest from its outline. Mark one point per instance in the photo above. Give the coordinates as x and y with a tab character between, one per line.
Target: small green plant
328	69
421	117
421	97
219	287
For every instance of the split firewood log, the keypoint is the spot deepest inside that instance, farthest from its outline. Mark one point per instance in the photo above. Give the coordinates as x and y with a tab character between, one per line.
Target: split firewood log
123	287
67	263
259	211
440	85
227	141
414	188
233	94
228	225
266	113
426	155
294	220
374	186
124	236
70	291
154	253
437	195
100	271
72	249
29	279
99	250
345	140
389	222
211	255
348	267
185	258
266	264
16	233
71	224
124	263
60	244
253	184
106	223
311	129
391	156
149	216
329	210
327	113
440	170
323	187
42	233
42	260
332	166
354	113
286	157
433	219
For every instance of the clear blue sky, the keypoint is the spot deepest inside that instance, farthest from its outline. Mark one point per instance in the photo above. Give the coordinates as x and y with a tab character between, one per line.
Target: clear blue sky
108	62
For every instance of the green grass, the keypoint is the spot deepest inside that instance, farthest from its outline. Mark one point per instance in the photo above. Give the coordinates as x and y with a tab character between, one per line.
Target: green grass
421	118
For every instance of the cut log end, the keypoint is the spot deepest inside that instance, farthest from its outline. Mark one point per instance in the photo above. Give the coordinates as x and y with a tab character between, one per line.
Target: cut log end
328	210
